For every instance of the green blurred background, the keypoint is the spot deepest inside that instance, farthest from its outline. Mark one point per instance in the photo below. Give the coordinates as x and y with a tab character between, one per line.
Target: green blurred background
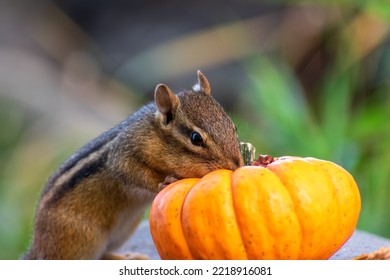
305	78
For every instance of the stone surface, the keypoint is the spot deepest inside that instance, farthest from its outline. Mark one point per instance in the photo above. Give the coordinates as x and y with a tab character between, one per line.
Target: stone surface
361	242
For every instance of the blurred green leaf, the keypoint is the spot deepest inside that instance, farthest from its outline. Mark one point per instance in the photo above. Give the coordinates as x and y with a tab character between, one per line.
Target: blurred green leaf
278	100
380	8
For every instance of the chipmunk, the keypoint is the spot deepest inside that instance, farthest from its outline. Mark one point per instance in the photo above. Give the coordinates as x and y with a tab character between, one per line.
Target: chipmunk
93	203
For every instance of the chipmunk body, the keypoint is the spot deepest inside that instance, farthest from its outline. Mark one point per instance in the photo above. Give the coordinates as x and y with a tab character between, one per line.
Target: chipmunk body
95	200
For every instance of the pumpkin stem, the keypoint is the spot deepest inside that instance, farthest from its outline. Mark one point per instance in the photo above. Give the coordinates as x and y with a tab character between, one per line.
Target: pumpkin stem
263	160
248	152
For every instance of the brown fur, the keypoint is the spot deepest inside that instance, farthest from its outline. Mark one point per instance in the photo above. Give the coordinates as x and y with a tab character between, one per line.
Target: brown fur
95	200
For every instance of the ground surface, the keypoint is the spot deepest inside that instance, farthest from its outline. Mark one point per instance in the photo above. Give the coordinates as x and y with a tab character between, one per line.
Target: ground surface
361	242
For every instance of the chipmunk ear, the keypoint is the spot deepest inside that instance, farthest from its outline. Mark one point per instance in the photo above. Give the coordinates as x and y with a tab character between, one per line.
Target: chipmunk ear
166	101
203	84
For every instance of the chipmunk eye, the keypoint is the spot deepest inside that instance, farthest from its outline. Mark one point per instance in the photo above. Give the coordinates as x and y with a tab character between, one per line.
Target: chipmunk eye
196	139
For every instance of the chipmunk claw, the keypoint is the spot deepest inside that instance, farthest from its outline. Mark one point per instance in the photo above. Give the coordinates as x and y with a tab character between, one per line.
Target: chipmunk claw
168	180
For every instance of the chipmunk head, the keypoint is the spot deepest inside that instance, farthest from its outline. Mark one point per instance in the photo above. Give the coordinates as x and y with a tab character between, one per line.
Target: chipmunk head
199	136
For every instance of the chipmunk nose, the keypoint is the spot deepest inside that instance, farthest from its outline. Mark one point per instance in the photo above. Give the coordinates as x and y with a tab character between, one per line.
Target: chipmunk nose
239	162
235	163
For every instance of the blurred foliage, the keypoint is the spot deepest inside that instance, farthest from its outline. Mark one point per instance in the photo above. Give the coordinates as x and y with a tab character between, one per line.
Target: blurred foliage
326	97
11	229
26	160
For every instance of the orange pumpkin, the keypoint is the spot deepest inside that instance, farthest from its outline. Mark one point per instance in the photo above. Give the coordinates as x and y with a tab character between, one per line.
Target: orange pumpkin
285	208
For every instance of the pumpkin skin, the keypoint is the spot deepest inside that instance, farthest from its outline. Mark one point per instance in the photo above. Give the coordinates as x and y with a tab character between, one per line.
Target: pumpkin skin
291	208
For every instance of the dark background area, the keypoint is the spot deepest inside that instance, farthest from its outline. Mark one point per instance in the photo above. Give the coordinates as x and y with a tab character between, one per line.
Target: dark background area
305	78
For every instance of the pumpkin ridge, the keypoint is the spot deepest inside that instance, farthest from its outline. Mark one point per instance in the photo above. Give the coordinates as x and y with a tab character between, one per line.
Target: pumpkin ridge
235	214
212	233
181	218
338	202
298	218
294	198
163	213
278	238
326	251
344	229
